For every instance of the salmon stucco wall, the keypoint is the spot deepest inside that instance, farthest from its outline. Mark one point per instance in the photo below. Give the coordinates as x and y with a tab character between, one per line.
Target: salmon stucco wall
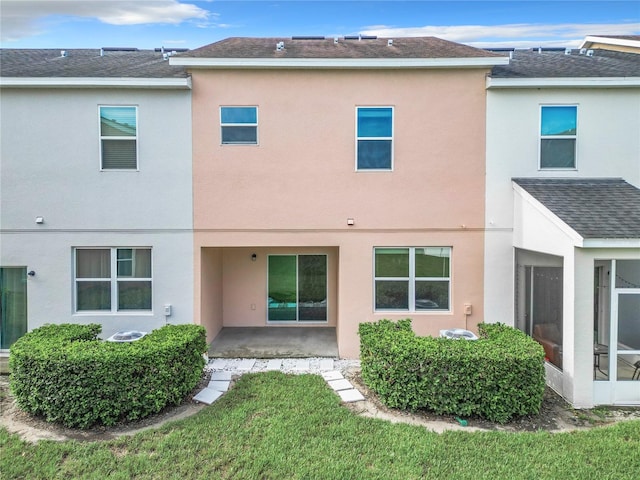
299	185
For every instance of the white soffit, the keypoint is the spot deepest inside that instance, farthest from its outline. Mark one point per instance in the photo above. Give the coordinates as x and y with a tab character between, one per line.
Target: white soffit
563	82
95	82
575	237
473	62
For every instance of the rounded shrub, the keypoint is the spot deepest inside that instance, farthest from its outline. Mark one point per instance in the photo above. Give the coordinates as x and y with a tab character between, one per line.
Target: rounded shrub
498	377
67	375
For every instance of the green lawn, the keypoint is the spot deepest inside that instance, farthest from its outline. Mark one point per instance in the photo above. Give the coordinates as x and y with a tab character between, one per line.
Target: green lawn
274	426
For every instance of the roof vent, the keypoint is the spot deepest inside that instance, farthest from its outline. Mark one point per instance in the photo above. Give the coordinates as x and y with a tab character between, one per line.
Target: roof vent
63	53
589	53
335	41
280	46
583	51
567	51
390	42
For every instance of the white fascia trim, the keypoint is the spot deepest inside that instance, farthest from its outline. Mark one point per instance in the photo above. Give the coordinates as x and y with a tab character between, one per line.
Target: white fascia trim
609	41
95	82
574	236
611	243
563	82
476	62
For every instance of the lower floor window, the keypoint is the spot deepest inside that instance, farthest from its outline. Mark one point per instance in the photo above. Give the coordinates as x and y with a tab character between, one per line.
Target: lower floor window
112	279
412	278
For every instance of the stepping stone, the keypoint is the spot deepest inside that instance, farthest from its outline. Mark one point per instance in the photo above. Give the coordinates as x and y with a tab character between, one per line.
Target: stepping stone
302	365
219	364
326	364
342	384
224	376
332	375
207	396
274	364
246	364
351	395
219	385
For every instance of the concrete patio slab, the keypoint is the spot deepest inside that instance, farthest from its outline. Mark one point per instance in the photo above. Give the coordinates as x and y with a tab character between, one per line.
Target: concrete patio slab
274	364
221	376
332	375
219	364
341	384
326	364
246	364
207	396
219	385
351	395
302	365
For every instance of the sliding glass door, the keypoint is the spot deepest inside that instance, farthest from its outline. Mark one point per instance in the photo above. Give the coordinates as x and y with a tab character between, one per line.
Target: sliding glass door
297	288
13	305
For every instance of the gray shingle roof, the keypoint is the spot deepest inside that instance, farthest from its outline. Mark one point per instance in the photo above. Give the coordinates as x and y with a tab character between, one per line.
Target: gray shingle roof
548	64
603	208
416	47
86	63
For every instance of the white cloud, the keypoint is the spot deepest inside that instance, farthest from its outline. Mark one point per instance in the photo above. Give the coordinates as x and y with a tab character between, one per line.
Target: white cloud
22	18
514	35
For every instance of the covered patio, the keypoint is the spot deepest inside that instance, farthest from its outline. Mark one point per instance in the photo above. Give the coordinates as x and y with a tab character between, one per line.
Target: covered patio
274	342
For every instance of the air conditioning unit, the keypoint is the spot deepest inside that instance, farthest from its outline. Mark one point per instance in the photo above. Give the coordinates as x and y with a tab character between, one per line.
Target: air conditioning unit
126	336
458	334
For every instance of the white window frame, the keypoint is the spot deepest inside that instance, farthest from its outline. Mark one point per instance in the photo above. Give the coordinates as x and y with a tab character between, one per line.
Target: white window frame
392	138
113	280
557	137
412	279
257	142
109	137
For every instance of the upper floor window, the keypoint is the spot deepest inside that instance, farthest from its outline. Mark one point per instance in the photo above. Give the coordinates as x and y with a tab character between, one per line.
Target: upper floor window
412	278
118	138
239	125
374	138
558	136
112	279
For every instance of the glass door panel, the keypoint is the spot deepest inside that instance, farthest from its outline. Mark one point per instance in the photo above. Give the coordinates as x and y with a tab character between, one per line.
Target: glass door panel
312	288
297	288
628	335
282	301
13	305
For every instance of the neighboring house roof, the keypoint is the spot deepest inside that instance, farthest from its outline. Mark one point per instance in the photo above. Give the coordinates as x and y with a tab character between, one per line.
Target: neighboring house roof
596	208
89	68
628	43
603	63
343	51
86	63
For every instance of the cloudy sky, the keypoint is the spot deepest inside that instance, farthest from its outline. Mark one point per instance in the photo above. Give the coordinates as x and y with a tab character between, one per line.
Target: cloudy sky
193	23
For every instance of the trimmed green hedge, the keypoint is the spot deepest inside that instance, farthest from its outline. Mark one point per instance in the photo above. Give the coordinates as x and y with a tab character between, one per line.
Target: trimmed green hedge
65	374
497	377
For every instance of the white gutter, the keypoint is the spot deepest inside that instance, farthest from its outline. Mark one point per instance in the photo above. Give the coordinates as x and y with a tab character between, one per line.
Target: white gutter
611	243
473	62
564	82
95	82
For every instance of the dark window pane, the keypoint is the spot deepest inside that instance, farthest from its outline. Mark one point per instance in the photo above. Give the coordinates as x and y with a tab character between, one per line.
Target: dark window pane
239	134
392	262
392	295
134	295
558	153
119	154
239	115
432	295
374	154
93	263
93	296
375	122
432	262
